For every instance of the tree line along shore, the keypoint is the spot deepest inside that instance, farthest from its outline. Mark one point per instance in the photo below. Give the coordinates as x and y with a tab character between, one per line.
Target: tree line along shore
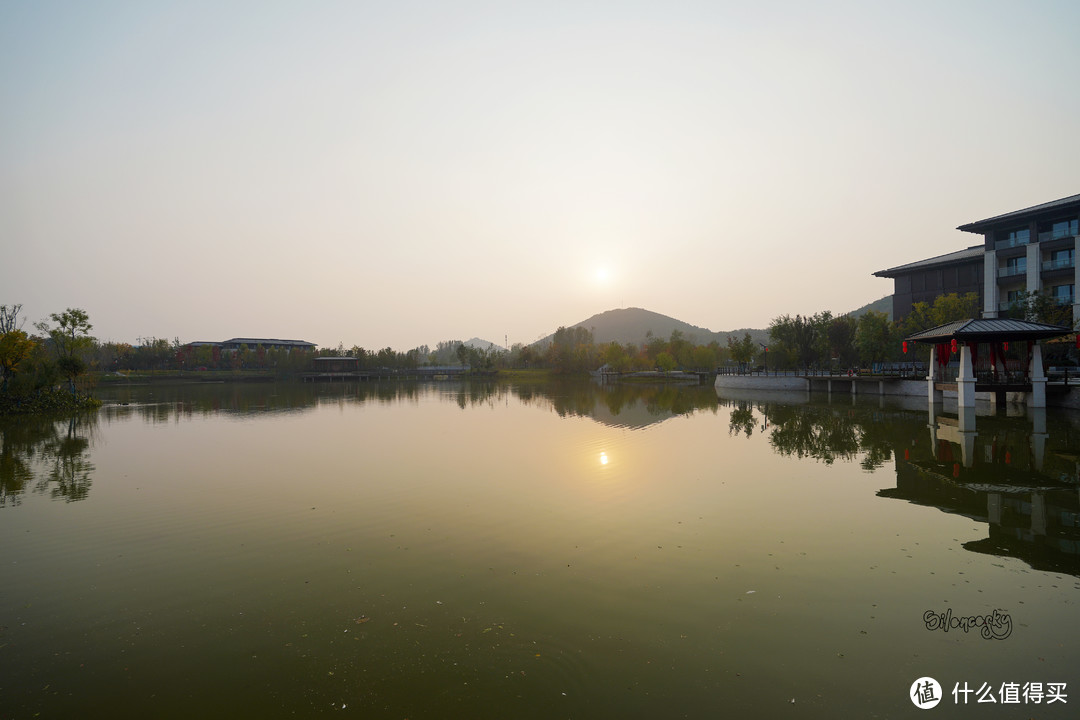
56	366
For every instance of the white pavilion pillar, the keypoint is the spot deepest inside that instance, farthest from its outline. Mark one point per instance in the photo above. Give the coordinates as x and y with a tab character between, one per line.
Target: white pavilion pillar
965	381
933	395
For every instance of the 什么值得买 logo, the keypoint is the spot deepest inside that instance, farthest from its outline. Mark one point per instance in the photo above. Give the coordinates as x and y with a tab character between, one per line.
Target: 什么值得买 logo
996	626
925	693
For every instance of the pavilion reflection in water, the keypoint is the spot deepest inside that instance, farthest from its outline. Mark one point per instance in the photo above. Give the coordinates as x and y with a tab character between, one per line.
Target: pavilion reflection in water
1014	468
1002	471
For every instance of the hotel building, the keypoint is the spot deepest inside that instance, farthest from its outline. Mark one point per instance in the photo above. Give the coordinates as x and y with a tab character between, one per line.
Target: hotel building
1032	250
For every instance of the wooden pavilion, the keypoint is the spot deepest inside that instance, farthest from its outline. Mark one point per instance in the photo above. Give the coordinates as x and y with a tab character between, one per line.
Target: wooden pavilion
996	355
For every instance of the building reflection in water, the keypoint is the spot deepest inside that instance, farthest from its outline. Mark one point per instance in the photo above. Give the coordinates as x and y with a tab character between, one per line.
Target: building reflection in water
1006	472
1018	472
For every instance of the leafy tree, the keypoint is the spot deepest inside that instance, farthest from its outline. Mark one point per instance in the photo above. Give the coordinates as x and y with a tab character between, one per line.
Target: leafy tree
70	339
951	307
653	347
874	337
614	355
445	353
204	356
665	361
703	358
681	349
571	350
386	357
946	308
521	356
742	351
1041	307
801	341
841	335
920	318
152	354
15	347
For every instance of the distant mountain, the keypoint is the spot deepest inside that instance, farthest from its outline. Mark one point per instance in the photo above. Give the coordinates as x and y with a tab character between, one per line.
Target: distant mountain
883	305
634	325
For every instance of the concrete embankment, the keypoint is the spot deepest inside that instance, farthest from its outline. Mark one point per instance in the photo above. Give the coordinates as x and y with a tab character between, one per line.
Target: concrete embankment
1057	395
857	385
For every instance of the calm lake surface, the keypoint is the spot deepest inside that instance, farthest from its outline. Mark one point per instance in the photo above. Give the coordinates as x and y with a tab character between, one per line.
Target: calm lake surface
495	551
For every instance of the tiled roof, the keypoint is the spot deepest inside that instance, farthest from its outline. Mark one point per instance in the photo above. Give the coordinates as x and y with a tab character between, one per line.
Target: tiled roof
252	342
981	225
971	253
990	329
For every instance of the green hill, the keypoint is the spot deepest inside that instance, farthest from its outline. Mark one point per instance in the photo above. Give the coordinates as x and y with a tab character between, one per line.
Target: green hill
883	305
634	325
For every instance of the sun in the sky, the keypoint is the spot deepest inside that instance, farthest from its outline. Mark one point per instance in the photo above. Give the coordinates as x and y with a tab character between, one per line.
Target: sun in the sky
602	275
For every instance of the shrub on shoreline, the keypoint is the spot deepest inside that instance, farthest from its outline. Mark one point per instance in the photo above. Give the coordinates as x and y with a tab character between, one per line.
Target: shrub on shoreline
51	400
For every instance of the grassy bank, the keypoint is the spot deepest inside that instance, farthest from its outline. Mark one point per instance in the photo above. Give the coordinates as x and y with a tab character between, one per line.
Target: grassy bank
537	375
189	376
652	378
52	401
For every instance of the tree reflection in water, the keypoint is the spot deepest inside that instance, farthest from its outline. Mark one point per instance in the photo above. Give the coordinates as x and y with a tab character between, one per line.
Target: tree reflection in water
630	404
823	432
48	455
1019	476
741	421
52	456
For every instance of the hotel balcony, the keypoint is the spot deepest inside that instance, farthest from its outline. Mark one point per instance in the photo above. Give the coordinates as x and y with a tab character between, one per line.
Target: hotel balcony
1010	243
1012	271
1059	264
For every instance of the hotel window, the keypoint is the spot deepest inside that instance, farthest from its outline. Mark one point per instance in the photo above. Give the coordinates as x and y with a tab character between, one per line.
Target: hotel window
1018	237
1063	294
1014	266
1064	228
1061	259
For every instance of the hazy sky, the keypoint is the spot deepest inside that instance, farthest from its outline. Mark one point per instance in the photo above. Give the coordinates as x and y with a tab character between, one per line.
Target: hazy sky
399	173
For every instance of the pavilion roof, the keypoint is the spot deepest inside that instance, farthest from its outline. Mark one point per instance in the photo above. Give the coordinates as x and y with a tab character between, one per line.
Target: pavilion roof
990	330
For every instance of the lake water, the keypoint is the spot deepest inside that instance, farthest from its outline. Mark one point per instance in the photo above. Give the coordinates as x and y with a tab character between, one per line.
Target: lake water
535	551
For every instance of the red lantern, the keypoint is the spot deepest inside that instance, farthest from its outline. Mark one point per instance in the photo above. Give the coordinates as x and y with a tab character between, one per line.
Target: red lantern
905	347
1078	341
1007	345
954	344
